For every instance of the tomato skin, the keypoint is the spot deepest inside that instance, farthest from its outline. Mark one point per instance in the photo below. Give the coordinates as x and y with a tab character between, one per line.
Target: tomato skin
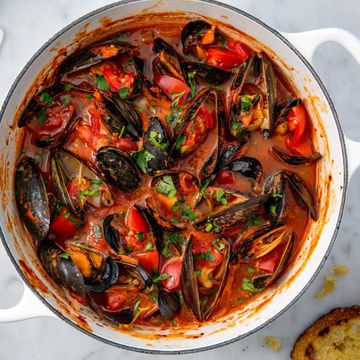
225	177
269	262
224	58
241	49
298	142
149	260
171	85
135	221
202	246
62	226
116	78
172	267
115	300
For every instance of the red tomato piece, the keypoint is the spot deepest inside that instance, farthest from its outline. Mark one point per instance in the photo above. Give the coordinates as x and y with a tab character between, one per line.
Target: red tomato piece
171	86
64	224
224	58
269	262
241	49
205	254
115	300
149	260
225	177
116	78
136	221
172	267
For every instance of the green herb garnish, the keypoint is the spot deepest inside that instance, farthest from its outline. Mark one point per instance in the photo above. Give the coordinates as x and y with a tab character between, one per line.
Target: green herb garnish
161	278
142	157
205	256
245	103
45	98
149	246
166	186
124	93
101	83
158	139
191	79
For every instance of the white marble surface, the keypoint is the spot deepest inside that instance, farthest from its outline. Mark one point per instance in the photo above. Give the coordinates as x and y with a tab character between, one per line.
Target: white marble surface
29	23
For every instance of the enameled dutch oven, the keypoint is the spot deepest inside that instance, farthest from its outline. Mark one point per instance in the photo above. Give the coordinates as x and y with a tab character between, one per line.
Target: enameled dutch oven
290	51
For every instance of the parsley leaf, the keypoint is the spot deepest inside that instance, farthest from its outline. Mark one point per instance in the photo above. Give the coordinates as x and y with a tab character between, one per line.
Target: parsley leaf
101	83
254	220
65	255
180	140
140	236
95	183
158	139
185	210
191	79
97	231
161	278
124	93
208	256
41	118
142	157
221	196
245	103
87	192
166	186
45	98
68	87
149	246
176	98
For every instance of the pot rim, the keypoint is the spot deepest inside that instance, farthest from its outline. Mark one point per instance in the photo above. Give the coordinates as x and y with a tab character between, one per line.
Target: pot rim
338	221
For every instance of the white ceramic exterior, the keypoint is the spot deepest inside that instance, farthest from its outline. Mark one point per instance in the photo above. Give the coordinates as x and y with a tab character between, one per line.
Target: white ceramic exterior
328	138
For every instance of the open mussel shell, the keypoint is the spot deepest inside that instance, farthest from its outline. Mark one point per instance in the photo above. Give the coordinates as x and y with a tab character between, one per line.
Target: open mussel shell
93	55
247	166
122	118
169	304
298	184
122	316
156	143
32	199
295	159
282	109
133	275
193	32
235	214
194	292
275	187
206	74
118	168
112	237
61	268
66	168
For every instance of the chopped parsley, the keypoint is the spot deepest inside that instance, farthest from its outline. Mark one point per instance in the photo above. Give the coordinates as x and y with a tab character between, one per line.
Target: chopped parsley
191	79
204	186
140	236
197	273
245	103
250	270
170	117
41	116
254	220
176	98
101	83
88	96
161	278
209	227
185	210
218	245
221	196
149	246
68	87
208	256
45	98
95	183
247	285
124	93
65	255
142	157
273	209
97	231
158	140
122	131
65	99
217	88
175	238
181	139
166	186
87	192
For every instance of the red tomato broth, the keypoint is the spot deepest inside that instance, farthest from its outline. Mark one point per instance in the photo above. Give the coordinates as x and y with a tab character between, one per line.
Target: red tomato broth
90	134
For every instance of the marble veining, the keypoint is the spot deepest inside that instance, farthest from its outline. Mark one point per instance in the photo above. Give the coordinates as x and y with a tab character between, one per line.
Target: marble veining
28	24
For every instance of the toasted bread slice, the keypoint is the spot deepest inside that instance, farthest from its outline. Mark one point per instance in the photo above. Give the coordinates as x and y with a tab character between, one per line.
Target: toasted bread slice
335	336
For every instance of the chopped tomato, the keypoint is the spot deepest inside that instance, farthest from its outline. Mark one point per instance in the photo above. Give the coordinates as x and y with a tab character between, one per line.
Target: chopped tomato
116	78
270	262
241	49
115	300
225	177
172	86
136	221
205	254
149	260
298	141
64	224
224	58
172	267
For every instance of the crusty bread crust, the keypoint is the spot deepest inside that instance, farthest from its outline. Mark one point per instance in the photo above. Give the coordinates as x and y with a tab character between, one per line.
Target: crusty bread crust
314	342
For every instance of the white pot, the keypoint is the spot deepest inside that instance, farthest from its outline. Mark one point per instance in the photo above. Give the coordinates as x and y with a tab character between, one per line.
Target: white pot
42	297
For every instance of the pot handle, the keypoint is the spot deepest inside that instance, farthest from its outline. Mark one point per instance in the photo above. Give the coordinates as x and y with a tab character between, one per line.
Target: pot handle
28	307
307	42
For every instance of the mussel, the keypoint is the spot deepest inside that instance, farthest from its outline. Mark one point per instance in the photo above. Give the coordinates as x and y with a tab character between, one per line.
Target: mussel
235	214
173	199
295	159
275	186
203	276
282	109
118	168
61	268
121	118
198	129
32	199
156	143
76	184
247	166
169	304
94	55
207	74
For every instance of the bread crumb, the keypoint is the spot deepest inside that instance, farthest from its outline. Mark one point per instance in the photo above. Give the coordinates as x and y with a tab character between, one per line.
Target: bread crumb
274	343
340	270
328	287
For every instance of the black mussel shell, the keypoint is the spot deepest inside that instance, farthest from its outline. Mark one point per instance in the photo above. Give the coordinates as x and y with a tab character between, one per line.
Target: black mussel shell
32	199
61	268
121	114
111	235
156	142
118	168
295	159
207	74
169	304
91	56
246	166
274	205
282	109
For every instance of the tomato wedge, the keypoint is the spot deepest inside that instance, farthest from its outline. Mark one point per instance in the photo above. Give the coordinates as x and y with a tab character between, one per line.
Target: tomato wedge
135	221
116	78
225	58
171	86
225	177
270	262
205	254
241	49
298	141
149	260
172	267
64	224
